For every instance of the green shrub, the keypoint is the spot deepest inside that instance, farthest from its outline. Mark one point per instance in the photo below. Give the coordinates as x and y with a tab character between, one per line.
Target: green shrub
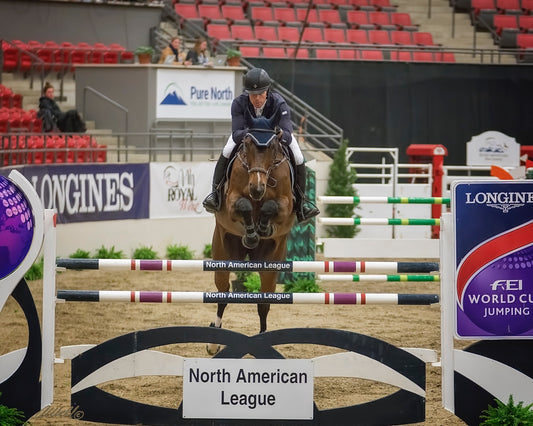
35	272
10	416
80	254
144	252
103	253
175	251
253	282
340	181
303	285
208	251
507	414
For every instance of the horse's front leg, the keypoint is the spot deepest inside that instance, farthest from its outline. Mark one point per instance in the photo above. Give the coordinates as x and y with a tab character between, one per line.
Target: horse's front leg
268	211
244	208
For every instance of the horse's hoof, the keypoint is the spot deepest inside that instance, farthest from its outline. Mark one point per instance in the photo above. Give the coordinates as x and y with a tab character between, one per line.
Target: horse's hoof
250	243
213	348
266	231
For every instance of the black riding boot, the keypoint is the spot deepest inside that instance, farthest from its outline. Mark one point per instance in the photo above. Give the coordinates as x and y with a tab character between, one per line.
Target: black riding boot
304	211
212	201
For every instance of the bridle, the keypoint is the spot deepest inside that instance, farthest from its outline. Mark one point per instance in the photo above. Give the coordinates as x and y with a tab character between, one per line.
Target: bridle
272	182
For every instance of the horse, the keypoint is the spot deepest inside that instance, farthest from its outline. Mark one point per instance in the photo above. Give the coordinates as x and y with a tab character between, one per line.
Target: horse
256	213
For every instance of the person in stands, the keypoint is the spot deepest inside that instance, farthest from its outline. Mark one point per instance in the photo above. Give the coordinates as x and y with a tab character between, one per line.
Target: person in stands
198	54
172	54
260	100
55	120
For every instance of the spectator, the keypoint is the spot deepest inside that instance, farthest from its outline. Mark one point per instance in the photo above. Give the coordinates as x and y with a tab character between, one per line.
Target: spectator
54	119
198	55
172	55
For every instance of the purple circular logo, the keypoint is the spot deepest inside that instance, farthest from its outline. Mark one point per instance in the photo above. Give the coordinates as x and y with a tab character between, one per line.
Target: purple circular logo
16	227
499	299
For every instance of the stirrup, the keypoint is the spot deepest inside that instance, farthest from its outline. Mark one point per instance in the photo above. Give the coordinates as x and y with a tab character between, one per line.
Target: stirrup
212	202
304	214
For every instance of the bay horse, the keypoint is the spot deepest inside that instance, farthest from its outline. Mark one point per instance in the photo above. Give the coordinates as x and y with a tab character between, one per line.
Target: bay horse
256	213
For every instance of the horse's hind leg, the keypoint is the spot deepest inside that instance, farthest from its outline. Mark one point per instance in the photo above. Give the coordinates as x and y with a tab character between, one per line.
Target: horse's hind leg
222	284
262	310
213	348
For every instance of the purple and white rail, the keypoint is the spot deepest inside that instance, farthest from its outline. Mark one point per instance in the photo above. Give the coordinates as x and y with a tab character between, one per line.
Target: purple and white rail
221	297
242	265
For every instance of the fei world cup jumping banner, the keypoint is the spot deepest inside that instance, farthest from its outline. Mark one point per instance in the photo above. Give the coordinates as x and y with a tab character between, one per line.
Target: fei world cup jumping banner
493	259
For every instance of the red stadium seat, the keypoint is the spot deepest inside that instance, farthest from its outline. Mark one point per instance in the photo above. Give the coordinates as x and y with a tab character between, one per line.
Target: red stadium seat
218	32
347	54
266	33
274	52
401	55
250	51
326	54
313	35
421	56
402	21
423	39
358	19
242	32
302	53
381	20
357	36
233	14
371	55
290	34
335	35
403	38
379	37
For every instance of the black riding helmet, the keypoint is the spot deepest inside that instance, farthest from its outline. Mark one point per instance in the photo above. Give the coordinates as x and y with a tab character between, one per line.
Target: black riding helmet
256	81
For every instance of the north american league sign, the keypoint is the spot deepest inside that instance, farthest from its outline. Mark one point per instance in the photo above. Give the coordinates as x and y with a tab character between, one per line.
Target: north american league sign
493	259
248	388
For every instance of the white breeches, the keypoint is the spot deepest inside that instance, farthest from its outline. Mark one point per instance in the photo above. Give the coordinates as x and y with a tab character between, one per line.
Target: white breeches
293	146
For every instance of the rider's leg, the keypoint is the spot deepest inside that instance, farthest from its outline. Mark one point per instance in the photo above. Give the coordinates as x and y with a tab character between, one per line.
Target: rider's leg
212	201
304	210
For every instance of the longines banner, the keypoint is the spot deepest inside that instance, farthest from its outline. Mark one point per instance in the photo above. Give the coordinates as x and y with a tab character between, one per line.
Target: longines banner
194	95
494	259
178	189
85	193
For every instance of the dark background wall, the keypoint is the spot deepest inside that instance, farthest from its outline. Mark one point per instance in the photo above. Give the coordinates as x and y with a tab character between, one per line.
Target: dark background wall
77	22
398	104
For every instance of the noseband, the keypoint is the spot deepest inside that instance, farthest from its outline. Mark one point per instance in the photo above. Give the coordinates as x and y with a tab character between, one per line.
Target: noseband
275	164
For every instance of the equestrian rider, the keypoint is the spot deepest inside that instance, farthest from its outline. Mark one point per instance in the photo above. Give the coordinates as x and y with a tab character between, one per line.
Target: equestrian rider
260	100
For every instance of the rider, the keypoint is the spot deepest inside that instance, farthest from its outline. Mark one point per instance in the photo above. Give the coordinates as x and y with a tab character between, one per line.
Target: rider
260	100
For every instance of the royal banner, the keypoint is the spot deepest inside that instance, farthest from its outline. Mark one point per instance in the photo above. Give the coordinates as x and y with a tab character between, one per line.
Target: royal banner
178	189
494	259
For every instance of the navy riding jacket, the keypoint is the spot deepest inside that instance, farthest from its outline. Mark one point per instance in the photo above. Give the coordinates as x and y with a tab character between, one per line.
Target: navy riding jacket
274	101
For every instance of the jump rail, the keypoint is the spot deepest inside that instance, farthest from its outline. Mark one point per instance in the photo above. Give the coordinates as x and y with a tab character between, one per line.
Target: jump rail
239	265
348	221
383	278
221	297
327	199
